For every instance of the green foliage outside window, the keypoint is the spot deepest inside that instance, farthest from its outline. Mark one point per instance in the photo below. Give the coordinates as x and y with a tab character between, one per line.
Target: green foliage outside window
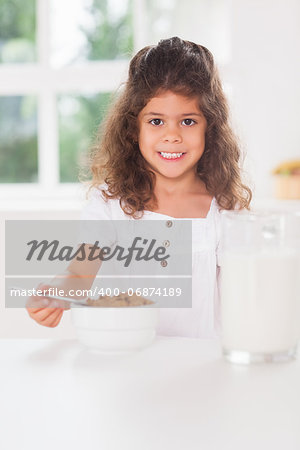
18	139
109	38
79	117
17	31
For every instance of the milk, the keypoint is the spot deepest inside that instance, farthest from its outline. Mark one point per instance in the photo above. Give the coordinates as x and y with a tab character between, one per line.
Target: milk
260	300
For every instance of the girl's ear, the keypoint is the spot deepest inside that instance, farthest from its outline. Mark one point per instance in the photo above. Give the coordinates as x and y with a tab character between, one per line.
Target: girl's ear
134	132
135	137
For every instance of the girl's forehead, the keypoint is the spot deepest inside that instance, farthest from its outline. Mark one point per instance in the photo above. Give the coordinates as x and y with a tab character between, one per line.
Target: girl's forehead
169	100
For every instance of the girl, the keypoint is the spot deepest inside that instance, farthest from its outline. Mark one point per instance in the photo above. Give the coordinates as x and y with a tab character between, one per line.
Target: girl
167	151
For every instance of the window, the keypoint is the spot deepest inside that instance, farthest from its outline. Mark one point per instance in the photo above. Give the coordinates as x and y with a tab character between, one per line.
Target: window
59	63
18	139
17	31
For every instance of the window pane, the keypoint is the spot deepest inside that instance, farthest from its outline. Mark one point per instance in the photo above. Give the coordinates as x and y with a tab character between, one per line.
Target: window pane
96	30
18	140
206	22
17	31
79	118
161	15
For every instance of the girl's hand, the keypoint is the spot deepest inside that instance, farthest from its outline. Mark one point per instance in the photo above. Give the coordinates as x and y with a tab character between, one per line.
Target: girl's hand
45	311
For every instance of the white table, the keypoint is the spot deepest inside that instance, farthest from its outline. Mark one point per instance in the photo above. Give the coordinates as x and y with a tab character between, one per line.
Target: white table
176	394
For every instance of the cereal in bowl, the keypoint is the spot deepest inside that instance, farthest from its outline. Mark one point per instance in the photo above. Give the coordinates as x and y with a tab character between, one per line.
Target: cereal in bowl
119	301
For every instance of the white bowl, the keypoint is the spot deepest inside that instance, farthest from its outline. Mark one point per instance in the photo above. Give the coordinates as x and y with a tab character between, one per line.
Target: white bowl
115	330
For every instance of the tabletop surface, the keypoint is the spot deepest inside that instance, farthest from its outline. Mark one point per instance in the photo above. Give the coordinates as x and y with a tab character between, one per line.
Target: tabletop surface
176	394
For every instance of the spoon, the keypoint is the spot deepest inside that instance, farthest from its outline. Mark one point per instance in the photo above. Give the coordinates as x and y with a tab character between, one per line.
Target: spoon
56	297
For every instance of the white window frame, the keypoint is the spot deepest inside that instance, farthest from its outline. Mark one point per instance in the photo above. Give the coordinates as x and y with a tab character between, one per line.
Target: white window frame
46	83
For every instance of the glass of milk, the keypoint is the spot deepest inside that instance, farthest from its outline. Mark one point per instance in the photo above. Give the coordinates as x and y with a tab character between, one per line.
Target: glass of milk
259	295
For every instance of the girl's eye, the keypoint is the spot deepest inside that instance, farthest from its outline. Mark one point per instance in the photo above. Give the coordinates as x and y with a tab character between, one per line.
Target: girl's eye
156	122
188	122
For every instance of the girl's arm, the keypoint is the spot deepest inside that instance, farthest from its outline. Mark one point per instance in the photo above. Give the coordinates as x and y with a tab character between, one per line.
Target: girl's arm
79	275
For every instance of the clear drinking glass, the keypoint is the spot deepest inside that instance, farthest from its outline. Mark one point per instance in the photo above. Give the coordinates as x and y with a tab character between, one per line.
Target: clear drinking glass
259	287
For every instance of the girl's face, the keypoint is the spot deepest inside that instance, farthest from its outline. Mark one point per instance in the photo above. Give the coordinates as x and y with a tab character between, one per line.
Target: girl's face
172	134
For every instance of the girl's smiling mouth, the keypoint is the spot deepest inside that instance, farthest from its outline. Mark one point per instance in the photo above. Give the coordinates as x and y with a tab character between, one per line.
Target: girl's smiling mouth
169	156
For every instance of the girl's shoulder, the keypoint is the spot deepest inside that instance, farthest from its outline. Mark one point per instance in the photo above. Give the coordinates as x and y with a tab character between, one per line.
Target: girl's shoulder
97	206
215	209
215	214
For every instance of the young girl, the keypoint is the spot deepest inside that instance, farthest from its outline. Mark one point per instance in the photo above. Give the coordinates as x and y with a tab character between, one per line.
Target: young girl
167	152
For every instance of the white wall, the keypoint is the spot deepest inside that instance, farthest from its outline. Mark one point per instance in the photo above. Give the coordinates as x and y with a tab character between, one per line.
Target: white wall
265	73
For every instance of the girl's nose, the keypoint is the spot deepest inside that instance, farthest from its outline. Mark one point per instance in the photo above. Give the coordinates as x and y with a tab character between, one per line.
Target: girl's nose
172	134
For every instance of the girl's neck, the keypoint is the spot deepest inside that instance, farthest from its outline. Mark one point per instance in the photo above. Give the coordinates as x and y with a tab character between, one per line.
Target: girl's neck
182	200
170	188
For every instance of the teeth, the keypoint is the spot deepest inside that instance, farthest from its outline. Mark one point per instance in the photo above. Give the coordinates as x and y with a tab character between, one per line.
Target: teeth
171	155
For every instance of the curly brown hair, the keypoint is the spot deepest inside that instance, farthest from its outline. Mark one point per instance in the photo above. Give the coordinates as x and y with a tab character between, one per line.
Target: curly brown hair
184	68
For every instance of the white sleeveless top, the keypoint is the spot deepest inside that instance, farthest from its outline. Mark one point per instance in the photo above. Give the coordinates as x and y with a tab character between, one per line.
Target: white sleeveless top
203	319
